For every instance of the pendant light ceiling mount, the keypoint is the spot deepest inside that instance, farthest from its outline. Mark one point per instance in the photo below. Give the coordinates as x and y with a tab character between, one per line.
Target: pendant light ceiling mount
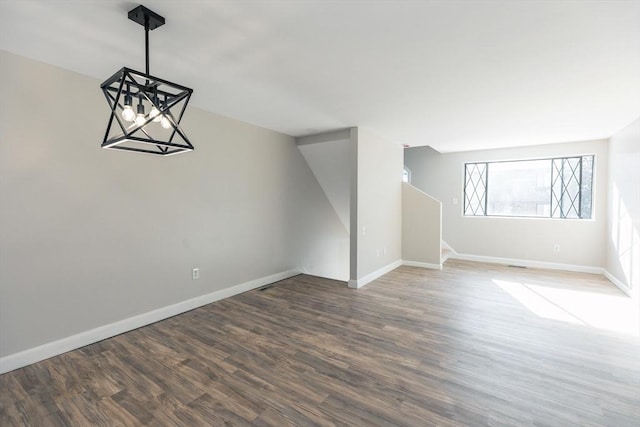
154	126
146	17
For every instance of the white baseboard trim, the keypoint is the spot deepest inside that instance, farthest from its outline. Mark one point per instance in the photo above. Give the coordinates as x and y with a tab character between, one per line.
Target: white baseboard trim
528	263
357	284
306	271
447	246
613	279
445	257
45	351
422	264
450	251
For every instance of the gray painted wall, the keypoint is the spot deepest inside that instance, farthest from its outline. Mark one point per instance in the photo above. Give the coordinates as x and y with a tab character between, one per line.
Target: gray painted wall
90	236
421	226
376	226
330	163
623	224
582	242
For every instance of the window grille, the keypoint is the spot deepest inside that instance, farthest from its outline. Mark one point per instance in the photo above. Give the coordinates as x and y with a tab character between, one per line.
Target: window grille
567	183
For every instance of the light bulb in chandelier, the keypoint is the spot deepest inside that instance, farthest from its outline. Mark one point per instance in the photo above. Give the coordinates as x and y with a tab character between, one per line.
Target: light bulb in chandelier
127	112
140	118
165	122
155	114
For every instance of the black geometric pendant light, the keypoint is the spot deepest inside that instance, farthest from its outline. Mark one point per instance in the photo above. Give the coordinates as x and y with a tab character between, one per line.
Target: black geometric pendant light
145	110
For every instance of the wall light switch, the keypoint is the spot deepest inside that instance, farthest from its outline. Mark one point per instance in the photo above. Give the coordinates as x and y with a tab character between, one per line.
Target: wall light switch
195	274
454	200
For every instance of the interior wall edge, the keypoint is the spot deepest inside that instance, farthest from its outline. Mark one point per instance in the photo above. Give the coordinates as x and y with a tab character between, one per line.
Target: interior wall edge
619	283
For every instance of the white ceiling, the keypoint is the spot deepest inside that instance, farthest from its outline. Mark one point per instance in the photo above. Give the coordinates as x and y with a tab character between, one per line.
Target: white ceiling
455	75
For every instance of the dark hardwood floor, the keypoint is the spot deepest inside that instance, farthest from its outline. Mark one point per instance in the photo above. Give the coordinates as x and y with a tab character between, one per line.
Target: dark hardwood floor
417	347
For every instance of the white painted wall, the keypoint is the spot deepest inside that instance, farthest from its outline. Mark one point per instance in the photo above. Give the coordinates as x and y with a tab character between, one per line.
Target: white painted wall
376	226
623	219
582	242
90	236
421	227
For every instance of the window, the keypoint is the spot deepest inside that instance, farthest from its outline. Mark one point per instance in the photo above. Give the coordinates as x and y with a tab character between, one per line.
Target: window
548	188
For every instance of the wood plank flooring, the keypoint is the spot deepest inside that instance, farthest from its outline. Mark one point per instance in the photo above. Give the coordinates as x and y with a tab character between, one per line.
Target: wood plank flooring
414	348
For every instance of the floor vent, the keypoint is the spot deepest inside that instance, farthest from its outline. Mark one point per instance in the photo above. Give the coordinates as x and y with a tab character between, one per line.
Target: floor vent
264	288
516	266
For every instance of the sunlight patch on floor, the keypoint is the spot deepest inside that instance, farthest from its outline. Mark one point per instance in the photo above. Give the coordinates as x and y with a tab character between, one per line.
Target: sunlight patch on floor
610	312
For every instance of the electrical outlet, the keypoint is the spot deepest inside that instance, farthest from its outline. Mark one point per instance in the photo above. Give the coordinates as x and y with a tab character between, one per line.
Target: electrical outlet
195	274
384	250
556	247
